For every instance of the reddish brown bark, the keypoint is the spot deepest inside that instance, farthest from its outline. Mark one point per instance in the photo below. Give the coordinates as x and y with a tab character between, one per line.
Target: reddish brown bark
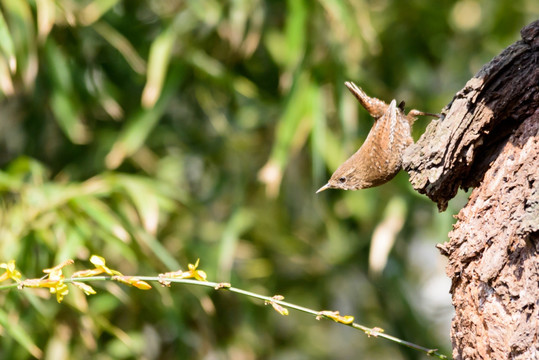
489	139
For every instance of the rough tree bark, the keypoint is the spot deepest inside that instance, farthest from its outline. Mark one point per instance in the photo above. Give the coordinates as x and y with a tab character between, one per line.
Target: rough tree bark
488	138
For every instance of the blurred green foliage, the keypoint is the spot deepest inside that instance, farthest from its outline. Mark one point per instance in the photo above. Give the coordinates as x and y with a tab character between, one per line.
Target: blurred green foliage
157	132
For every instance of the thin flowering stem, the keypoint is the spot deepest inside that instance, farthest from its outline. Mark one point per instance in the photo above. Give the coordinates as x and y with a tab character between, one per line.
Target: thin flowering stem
56	282
375	332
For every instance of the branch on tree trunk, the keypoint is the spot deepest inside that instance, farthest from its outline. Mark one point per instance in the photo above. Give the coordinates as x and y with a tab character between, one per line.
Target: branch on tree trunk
456	150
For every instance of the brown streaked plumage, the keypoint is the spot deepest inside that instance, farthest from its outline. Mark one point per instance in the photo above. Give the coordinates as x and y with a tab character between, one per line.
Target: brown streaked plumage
379	159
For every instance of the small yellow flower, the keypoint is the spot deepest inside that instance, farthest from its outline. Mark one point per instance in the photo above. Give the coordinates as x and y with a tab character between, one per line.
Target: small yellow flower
54	281
277	307
100	268
139	284
61	290
87	273
58	268
11	272
133	281
99	263
88	290
199	275
335	316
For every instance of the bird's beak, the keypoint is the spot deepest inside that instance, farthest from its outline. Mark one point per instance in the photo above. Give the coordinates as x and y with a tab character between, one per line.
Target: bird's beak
325	187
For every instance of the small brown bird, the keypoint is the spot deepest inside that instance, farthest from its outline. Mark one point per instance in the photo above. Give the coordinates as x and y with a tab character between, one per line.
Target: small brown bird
379	159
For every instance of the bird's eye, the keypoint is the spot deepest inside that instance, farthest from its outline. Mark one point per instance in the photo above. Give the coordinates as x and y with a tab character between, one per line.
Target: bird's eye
342	180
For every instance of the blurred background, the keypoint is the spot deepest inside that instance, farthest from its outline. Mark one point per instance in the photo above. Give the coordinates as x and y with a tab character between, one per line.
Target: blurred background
154	133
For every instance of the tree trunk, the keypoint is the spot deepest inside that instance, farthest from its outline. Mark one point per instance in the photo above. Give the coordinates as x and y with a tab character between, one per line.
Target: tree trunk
488	138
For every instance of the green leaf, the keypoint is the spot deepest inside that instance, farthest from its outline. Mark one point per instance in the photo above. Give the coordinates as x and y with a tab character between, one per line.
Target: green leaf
15	330
6	43
122	45
160	53
67	115
95	10
102	215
